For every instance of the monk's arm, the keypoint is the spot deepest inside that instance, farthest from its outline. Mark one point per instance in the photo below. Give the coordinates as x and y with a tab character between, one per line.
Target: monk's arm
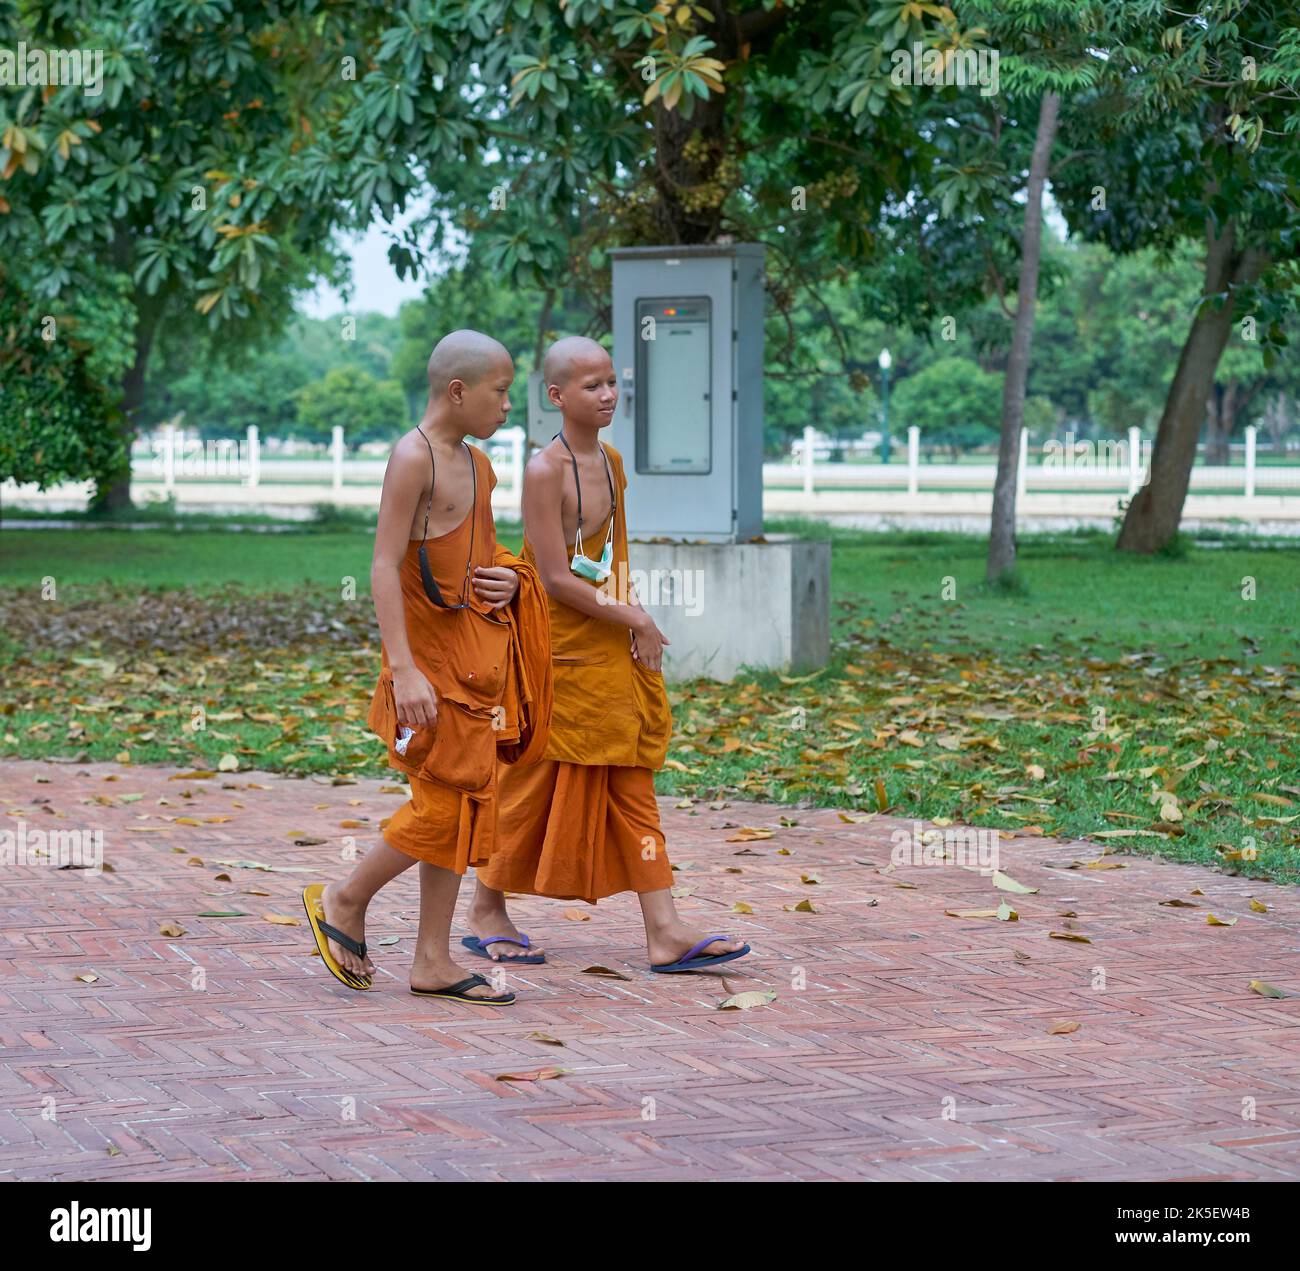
543	494
403	485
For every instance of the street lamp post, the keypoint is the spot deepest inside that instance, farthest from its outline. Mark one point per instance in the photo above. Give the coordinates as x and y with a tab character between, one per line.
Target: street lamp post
885	362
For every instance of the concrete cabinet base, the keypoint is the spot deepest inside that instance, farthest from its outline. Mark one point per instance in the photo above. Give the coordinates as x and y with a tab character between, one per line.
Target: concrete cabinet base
727	605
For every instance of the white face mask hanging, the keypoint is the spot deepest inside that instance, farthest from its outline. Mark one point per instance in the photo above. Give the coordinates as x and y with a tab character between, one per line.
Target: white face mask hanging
581	564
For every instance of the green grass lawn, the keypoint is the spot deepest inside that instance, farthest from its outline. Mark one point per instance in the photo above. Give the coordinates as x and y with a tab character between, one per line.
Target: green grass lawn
1145	700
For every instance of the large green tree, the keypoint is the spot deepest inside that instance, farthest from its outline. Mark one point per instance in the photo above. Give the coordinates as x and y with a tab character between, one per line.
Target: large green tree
1202	144
593	123
211	169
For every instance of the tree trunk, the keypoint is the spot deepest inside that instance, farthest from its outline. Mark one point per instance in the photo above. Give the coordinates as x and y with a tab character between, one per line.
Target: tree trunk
681	215
1002	530
1152	518
113	495
1220	420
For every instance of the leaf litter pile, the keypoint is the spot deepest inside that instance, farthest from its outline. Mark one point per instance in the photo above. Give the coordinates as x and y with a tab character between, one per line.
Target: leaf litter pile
1194	759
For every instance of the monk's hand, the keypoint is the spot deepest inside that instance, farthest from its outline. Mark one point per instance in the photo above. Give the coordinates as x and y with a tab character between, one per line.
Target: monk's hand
495	584
648	643
417	703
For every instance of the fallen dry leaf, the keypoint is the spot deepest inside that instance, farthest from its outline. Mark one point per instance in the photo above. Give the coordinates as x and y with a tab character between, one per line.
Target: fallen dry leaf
606	972
1005	883
539	1074
747	1001
1063	1026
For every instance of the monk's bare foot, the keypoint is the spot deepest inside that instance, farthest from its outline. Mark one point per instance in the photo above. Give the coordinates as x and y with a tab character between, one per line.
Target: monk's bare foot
667	944
487	917
428	974
350	919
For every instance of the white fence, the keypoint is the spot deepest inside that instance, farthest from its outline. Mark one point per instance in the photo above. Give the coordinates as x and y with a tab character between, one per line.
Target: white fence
1093	466
168	457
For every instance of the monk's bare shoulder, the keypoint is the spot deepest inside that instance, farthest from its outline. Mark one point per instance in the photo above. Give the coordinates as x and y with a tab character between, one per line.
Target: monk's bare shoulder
409	456
546	467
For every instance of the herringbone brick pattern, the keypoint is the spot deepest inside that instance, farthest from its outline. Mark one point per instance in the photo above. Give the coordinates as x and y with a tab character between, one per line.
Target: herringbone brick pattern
902	1043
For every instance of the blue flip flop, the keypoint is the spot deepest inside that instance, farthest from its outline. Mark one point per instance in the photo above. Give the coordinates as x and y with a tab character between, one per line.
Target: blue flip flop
479	947
692	961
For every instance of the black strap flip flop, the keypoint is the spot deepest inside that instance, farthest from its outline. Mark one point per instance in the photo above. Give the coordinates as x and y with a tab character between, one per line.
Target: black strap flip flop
460	993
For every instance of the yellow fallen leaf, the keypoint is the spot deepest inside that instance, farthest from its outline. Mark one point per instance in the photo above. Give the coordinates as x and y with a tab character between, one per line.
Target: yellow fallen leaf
1267	990
810	878
1069	935
282	920
971	913
186	820
857	818
1063	1026
1220	922
1004	882
576	915
748	834
803	907
1258	906
545	1038
741	908
170	928
539	1074
1004	913
89	977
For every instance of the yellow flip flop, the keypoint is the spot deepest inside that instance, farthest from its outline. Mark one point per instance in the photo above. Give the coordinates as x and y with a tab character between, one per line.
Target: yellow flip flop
311	902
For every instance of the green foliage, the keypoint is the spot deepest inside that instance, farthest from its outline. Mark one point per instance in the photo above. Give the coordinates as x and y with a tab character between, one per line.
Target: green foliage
367	409
55	422
953	401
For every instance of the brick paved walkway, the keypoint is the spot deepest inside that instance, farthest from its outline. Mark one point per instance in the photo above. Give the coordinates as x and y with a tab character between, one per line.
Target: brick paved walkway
919	1047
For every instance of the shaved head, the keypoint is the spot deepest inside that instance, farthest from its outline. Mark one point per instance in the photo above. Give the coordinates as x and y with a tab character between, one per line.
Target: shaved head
564	355
467	356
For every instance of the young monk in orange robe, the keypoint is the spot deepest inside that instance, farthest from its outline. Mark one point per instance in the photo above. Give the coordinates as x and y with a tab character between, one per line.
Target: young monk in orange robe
583	824
466	669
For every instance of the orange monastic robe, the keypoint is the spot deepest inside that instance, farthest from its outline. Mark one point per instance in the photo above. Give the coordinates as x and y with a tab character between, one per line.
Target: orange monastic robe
583	822
492	677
